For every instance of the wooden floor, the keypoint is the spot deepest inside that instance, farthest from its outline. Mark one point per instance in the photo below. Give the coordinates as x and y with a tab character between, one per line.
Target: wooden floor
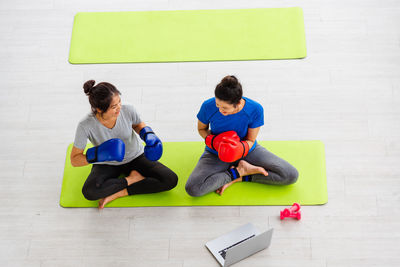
345	93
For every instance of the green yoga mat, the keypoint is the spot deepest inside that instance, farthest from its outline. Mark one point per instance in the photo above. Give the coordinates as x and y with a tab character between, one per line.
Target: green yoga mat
190	35
307	156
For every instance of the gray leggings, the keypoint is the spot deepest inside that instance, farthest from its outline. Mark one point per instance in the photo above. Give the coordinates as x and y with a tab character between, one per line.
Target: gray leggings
211	173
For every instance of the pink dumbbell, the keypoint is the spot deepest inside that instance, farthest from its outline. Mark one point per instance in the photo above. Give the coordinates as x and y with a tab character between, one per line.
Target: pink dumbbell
292	212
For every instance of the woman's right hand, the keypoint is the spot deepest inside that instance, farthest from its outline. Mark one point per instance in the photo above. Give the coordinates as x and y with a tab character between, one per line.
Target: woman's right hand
110	150
213	141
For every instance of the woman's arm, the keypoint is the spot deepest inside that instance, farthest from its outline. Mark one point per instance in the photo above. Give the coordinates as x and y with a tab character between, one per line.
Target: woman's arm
251	136
78	159
203	129
138	127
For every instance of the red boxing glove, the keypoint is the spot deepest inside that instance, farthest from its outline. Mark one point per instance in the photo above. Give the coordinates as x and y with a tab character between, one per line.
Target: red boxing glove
213	141
231	150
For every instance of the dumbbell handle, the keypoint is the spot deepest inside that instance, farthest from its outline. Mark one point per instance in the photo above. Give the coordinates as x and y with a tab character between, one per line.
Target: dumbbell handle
294	208
286	213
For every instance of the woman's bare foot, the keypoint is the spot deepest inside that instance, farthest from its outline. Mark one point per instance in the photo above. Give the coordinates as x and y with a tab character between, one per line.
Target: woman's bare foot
134	177
101	201
106	200
225	186
244	168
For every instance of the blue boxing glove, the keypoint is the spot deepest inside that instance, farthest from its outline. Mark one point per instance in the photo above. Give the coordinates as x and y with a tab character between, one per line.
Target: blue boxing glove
110	150
153	149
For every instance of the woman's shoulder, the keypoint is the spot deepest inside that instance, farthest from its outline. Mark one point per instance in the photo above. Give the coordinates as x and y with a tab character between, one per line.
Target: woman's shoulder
252	105
87	120
209	102
130	114
128	106
252	102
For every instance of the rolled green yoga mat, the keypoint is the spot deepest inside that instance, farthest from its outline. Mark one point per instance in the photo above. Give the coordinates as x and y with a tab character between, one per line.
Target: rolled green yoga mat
191	35
307	156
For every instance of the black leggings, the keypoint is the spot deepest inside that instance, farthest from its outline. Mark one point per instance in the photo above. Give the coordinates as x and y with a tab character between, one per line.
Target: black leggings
103	179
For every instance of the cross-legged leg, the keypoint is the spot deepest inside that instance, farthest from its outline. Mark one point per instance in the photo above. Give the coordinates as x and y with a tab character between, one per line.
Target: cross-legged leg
103	181
156	177
209	174
280	172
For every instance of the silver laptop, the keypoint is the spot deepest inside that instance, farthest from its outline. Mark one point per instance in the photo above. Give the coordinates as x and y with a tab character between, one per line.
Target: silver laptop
239	244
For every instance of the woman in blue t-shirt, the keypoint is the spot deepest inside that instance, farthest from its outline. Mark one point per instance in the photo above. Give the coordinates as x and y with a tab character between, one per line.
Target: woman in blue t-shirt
230	123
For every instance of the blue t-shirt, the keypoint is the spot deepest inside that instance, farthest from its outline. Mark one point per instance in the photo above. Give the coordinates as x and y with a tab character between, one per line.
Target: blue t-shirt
251	116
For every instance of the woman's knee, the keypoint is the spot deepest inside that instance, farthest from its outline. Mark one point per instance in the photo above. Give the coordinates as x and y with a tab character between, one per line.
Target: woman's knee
193	190
291	176
88	192
172	181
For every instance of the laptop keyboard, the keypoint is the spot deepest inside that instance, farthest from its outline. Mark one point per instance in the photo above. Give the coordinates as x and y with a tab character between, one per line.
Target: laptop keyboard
223	252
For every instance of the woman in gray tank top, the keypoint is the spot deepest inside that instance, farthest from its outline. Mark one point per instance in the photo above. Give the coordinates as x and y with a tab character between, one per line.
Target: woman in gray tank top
114	130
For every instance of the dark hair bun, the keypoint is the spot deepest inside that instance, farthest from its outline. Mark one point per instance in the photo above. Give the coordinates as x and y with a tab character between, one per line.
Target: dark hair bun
229	90
229	81
87	87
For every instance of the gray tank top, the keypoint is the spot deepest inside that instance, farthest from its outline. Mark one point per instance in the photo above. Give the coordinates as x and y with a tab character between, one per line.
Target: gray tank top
91	128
